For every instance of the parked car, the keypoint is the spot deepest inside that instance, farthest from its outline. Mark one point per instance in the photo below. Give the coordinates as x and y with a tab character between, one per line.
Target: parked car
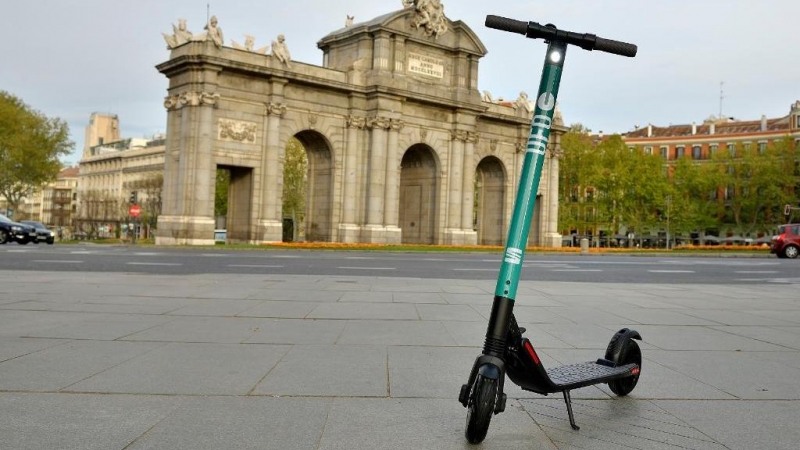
17	232
786	244
42	233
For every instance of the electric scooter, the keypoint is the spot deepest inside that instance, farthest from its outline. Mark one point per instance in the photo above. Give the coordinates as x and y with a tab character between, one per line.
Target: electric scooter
505	350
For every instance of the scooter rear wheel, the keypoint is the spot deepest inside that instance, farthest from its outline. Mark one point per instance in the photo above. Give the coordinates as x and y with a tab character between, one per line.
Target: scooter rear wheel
626	351
480	408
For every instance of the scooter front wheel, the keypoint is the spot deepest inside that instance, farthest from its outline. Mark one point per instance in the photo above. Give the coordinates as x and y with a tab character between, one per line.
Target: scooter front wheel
480	408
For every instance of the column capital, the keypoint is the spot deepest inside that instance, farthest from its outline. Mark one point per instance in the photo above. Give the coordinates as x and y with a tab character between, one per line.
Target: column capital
379	122
191	98
521	146
472	137
355	121
396	124
459	135
274	109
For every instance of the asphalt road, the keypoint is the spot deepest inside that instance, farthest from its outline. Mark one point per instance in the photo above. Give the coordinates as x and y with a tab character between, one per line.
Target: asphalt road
537	267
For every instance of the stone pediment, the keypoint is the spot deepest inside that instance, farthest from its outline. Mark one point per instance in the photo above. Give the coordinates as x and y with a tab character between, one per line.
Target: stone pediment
459	36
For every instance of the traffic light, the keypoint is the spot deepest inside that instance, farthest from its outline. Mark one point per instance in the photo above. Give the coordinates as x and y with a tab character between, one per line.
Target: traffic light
134	197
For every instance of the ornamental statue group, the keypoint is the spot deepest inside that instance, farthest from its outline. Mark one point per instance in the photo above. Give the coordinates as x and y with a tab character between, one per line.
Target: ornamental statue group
181	35
428	17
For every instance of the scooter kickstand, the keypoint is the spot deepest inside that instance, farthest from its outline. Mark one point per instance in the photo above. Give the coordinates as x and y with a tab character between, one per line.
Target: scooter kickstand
568	401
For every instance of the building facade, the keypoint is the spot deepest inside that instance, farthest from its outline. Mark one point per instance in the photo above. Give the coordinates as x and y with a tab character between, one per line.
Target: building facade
699	142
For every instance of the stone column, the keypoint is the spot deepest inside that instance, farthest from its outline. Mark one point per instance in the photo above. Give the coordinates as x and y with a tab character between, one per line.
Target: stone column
551	234
452	233
392	188
348	229
189	206
270	225
468	189
374	230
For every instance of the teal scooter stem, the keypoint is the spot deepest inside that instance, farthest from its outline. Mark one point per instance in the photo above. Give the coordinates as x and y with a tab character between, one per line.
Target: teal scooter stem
505	351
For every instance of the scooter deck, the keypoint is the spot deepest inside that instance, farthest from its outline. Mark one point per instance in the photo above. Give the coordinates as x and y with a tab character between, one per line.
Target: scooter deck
574	376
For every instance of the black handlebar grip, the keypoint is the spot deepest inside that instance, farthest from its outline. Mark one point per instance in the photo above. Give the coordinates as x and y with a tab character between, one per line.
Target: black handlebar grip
505	24
615	47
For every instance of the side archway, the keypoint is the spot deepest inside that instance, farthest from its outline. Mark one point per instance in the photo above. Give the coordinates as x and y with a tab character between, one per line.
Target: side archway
490	197
418	193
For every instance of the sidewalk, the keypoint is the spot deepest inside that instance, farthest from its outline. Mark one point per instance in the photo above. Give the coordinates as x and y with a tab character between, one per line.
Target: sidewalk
127	361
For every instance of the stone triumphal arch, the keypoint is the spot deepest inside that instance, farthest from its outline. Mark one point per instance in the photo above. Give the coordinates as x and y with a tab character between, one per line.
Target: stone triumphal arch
401	146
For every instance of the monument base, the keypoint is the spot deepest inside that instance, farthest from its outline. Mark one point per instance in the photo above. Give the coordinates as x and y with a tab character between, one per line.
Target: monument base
553	240
460	237
349	233
268	231
378	234
185	230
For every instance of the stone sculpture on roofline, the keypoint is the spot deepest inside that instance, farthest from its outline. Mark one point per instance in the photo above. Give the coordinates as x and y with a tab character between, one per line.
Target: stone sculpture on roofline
180	35
249	44
429	16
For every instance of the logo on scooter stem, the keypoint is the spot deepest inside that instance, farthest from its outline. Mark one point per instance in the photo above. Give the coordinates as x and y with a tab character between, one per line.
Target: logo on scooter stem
537	143
514	255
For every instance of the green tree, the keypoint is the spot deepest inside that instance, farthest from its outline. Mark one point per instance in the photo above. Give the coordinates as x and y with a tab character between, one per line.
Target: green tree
295	167
30	146
221	192
577	164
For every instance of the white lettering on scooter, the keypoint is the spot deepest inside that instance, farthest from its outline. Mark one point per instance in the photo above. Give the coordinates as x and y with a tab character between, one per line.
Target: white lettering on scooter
537	142
514	256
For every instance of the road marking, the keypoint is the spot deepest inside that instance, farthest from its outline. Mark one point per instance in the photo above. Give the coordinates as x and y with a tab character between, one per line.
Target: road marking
478	270
17	251
213	254
153	264
671	271
577	270
57	261
360	257
147	254
261	266
756	271
366	268
285	256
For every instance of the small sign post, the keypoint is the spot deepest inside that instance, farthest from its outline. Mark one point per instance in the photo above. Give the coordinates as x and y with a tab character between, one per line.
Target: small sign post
134	212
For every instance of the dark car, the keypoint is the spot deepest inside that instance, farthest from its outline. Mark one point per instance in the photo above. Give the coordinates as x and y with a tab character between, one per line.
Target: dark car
42	233
17	232
786	244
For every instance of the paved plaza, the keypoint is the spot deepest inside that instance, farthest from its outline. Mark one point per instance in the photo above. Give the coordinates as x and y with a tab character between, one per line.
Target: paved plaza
135	361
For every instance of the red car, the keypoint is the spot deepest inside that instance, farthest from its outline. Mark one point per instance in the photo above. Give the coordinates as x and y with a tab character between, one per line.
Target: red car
787	243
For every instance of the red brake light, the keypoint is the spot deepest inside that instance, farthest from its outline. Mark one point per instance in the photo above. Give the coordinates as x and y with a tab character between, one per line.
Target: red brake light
635	371
532	352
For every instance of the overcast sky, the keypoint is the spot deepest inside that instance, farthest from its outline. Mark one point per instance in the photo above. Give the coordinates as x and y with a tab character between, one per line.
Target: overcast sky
69	58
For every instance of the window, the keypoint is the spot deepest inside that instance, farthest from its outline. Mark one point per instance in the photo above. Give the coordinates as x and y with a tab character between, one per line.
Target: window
590	195
679	150
747	146
732	149
762	147
648	150
696	152
664	152
712	149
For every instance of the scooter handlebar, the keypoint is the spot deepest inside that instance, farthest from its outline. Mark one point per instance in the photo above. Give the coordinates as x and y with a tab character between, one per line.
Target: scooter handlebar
505	24
615	47
550	33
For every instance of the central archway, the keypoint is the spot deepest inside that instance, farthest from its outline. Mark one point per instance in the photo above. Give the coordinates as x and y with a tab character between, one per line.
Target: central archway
418	193
319	187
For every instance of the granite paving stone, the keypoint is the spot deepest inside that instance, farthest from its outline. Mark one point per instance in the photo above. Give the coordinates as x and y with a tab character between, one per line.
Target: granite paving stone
85	422
329	370
196	369
241	423
57	367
